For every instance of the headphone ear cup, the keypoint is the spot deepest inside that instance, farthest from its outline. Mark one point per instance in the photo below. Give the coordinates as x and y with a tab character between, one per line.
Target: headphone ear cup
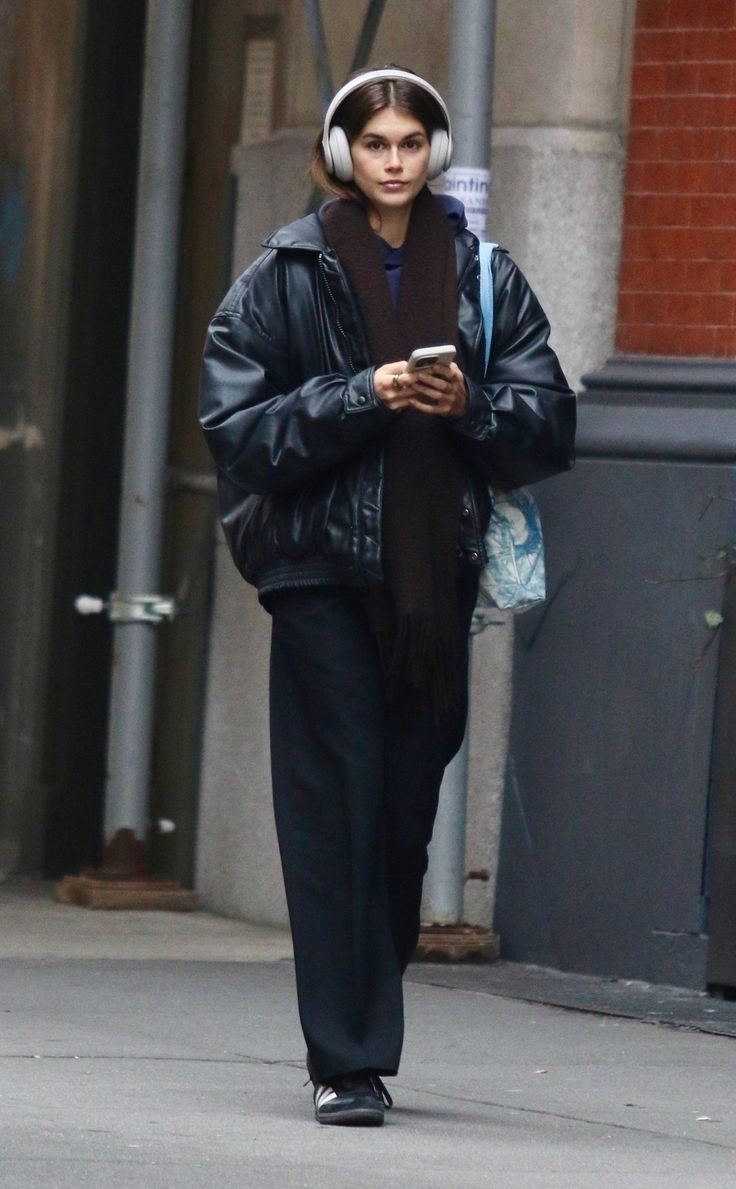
439	153
342	162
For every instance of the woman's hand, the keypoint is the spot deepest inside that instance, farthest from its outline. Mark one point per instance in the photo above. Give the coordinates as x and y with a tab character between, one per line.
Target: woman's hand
388	382
439	389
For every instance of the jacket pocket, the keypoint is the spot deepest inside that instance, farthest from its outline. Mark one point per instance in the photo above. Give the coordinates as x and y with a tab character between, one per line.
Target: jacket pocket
313	521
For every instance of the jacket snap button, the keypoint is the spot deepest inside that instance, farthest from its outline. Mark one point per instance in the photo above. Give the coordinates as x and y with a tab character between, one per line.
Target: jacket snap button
474	556
466	512
361	400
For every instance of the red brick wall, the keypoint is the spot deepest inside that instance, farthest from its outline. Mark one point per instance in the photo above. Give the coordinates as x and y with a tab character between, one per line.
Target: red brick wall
677	286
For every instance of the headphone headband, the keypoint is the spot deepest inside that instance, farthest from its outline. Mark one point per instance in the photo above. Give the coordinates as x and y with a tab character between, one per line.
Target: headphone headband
331	141
372	75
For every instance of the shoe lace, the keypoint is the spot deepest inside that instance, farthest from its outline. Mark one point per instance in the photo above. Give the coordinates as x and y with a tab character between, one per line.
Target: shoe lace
380	1090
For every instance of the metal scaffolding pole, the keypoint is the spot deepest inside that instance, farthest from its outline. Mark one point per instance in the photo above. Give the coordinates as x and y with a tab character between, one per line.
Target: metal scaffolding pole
138	612
320	54
470	99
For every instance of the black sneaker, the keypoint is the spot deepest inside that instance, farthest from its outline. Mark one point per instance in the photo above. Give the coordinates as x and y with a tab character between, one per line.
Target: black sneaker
357	1100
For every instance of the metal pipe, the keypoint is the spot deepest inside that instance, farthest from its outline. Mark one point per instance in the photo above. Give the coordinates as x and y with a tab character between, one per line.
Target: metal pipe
363	50
371	21
470	94
320	52
470	100
147	415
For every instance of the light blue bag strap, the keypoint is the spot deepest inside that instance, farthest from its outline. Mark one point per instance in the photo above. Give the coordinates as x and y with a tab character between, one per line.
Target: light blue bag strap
485	252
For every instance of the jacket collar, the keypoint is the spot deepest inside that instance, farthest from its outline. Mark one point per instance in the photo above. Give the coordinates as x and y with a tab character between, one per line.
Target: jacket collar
303	235
306	235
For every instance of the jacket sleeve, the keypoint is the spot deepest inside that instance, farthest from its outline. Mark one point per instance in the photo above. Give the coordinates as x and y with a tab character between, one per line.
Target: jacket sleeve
519	426
266	431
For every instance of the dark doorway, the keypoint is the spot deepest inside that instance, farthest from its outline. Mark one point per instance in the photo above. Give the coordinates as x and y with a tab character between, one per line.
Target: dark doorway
79	668
222	32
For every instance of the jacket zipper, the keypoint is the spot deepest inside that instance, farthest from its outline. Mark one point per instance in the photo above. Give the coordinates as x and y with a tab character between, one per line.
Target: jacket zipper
338	323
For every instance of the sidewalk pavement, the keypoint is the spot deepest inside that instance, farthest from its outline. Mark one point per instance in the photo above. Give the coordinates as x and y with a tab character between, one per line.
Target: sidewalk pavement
156	1050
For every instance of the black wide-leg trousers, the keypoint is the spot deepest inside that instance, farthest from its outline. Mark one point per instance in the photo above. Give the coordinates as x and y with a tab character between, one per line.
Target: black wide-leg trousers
356	780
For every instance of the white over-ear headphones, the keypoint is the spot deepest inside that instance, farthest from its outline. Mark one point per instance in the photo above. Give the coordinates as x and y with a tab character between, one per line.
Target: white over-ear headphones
335	144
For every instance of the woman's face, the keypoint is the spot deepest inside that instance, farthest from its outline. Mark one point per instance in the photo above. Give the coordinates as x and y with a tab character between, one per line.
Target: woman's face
390	157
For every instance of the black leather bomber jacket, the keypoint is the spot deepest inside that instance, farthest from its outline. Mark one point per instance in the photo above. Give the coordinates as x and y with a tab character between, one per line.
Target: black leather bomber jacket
291	417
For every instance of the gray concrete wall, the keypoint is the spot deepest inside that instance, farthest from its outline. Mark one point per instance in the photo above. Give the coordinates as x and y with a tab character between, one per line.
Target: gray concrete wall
237	870
560	112
558	142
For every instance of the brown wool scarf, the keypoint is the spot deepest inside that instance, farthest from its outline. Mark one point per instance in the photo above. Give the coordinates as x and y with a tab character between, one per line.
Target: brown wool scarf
414	615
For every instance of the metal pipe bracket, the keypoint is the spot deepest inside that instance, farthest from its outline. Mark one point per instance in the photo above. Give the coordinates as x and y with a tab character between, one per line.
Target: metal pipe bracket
130	608
141	608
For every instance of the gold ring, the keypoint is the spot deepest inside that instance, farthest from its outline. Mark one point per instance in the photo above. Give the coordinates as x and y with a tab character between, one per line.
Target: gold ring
395	379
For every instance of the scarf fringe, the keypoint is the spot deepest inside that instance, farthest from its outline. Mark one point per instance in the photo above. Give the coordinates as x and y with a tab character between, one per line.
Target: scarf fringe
414	655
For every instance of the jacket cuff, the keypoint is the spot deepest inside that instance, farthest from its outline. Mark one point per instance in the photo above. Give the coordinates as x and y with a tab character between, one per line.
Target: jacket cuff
475	422
359	395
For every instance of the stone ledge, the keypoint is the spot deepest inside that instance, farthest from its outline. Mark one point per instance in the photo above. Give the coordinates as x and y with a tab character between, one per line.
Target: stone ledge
659	407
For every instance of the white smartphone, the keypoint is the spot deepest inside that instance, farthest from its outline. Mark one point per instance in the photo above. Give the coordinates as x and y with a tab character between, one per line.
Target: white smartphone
429	356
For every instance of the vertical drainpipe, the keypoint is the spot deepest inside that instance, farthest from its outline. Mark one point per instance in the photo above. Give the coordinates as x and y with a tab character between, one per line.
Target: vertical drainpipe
470	99
135	612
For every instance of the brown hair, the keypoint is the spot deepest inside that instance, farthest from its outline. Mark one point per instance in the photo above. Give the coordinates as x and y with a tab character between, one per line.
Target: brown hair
360	106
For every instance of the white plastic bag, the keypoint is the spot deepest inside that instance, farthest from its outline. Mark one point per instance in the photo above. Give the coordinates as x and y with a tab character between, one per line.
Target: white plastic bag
513	579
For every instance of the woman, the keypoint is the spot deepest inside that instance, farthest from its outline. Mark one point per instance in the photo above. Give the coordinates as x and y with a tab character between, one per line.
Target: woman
354	495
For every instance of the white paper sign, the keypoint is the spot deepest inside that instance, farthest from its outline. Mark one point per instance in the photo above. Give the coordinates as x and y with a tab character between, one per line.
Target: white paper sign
472	187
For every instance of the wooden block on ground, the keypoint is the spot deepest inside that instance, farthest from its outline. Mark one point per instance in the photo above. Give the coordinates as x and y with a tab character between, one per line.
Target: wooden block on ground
155	895
457	943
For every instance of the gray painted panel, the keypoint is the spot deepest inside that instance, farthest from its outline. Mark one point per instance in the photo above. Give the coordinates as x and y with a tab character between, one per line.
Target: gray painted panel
612	720
722	889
